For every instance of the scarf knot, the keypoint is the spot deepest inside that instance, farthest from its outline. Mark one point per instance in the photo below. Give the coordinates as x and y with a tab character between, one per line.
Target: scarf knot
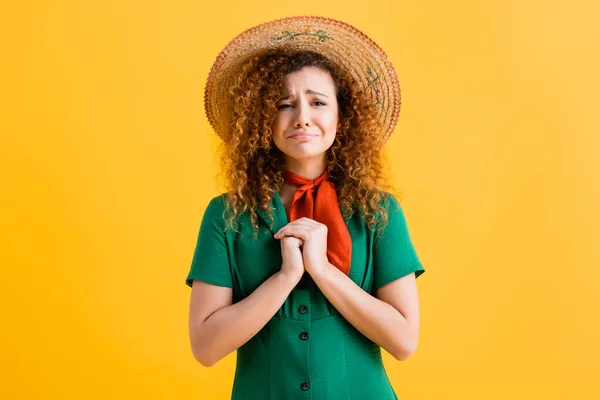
323	207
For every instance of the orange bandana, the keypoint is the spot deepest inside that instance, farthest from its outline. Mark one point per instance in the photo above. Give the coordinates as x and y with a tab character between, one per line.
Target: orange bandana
324	208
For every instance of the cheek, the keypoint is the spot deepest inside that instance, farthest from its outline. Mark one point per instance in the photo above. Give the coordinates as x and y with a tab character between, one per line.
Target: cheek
333	122
278	125
278	129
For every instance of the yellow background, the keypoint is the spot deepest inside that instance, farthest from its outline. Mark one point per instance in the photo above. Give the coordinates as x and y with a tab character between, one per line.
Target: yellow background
107	163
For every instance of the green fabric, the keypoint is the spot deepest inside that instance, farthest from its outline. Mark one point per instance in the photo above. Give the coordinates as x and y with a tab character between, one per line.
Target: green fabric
336	360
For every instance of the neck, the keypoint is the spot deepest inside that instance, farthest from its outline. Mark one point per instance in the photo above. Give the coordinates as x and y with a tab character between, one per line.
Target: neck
309	169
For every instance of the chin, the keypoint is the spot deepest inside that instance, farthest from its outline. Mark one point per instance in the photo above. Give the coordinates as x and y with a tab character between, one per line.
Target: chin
305	155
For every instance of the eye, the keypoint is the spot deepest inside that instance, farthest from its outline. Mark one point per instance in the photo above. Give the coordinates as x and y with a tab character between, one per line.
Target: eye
319	103
282	106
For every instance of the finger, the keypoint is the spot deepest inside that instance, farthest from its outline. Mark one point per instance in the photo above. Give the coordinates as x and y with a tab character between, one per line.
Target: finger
302	223
293	240
296	231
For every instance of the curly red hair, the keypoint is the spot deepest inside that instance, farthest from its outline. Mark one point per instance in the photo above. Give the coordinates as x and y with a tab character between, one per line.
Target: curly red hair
253	166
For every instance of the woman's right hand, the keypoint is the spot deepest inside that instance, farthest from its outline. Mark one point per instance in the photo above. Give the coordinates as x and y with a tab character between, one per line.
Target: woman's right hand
292	263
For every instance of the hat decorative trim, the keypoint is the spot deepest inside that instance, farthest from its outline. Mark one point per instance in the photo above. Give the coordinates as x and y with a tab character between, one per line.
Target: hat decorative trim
322	35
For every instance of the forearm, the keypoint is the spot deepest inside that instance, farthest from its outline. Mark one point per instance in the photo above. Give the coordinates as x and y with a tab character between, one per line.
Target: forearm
374	318
232	326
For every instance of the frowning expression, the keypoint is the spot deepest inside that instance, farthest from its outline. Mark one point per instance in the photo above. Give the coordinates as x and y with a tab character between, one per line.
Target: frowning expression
307	114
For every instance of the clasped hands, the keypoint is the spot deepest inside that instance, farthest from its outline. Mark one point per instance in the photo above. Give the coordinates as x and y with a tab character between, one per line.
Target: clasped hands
312	238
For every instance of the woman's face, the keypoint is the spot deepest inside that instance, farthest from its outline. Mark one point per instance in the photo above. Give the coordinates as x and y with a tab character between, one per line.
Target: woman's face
307	115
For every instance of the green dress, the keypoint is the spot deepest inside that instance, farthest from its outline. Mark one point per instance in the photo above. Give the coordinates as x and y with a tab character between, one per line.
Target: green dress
308	350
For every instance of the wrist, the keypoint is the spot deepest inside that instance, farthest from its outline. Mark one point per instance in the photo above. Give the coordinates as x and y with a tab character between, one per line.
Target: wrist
320	270
290	278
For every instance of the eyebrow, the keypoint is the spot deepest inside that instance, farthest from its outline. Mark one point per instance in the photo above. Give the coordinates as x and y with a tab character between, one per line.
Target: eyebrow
307	91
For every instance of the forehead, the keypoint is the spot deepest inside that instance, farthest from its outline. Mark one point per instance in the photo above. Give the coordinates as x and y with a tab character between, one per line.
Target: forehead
309	78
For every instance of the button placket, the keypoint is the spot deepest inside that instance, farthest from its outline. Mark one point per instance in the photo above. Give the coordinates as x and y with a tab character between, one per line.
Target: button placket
302	313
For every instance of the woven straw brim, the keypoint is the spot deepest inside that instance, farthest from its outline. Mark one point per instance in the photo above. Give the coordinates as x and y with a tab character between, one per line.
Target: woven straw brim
345	45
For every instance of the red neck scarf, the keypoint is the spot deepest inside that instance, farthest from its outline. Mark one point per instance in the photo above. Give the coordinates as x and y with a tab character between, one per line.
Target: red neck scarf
323	207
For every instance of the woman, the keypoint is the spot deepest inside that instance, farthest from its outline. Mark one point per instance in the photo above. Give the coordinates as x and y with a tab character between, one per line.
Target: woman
304	266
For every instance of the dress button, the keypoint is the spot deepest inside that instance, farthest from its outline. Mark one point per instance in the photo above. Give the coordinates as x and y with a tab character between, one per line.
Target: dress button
305	386
304	335
302	309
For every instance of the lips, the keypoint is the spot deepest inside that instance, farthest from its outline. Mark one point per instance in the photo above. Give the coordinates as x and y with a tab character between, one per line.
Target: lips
301	135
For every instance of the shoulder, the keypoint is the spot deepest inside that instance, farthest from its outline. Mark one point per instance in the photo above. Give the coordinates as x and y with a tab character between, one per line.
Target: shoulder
215	210
389	200
392	210
379	214
218	201
222	214
389	203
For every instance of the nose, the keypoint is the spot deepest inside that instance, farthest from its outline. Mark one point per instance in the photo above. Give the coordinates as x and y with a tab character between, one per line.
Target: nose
302	117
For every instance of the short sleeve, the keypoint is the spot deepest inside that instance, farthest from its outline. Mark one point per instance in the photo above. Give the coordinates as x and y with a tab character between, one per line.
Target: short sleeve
210	262
394	255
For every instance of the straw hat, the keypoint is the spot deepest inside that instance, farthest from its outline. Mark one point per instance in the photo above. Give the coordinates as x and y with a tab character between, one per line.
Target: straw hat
342	43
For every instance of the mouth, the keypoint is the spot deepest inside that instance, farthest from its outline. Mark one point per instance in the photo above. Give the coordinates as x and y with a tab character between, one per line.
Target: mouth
302	136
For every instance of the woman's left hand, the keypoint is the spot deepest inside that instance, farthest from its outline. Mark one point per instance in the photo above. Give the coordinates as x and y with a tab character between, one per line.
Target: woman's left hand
314	235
